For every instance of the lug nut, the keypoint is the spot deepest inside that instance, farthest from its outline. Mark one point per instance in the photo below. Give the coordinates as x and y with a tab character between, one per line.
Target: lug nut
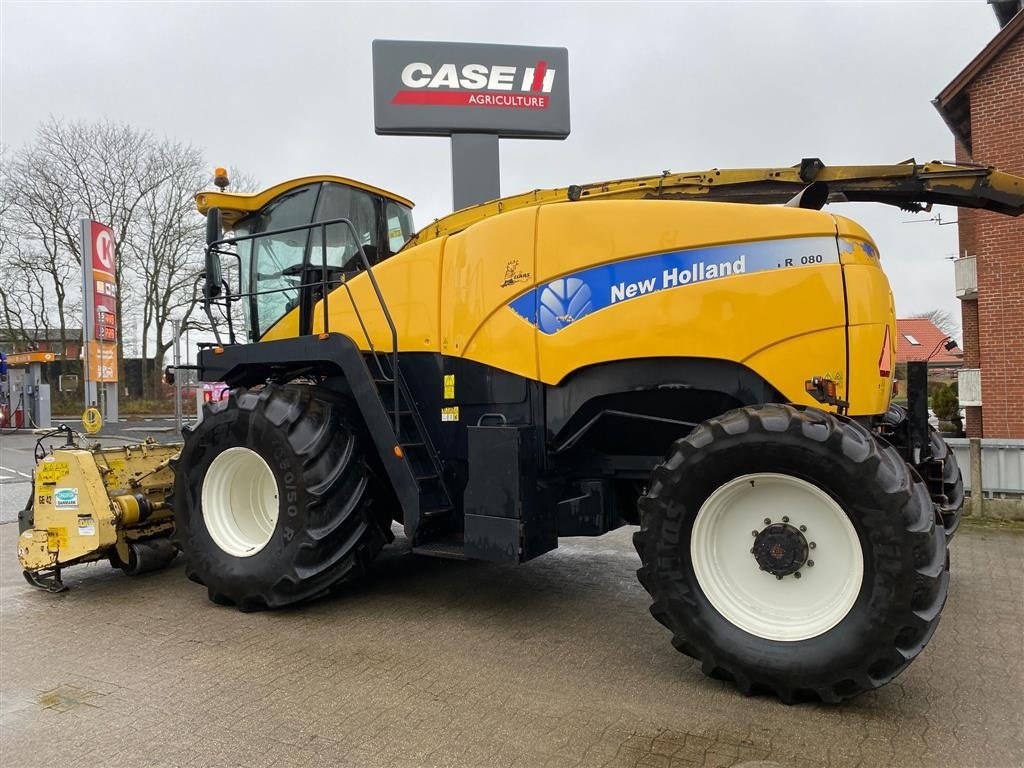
767	521
785	519
812	545
803	528
751	550
810	563
779	578
797	574
754	534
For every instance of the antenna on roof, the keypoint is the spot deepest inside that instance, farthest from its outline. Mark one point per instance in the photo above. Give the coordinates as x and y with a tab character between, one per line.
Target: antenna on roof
937	218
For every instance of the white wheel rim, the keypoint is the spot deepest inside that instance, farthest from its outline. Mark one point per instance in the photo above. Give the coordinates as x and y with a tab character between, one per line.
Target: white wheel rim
240	502
754	600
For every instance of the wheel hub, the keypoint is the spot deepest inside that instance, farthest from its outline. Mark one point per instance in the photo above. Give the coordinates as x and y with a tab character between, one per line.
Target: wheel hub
780	549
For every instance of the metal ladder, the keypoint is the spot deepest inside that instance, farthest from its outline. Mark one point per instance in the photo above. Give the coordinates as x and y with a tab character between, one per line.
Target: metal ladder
434	534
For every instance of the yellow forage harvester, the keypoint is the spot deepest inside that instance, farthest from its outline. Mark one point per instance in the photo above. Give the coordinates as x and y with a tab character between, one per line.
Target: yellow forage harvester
658	351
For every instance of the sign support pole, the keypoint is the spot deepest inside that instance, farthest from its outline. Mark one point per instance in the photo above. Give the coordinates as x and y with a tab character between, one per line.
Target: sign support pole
176	330
475	175
90	389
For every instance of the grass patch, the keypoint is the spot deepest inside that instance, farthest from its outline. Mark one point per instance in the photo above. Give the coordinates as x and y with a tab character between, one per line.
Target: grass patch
992	524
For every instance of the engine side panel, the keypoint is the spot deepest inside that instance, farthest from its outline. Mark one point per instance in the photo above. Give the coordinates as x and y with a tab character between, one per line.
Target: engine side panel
695	280
485	267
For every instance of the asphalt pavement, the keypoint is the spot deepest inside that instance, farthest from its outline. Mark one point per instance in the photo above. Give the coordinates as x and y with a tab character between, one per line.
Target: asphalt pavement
426	662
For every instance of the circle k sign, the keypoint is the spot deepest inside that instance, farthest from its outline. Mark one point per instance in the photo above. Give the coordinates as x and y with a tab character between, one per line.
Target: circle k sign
102	248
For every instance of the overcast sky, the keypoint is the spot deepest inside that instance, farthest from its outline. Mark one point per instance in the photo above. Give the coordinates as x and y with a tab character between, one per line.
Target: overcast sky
284	90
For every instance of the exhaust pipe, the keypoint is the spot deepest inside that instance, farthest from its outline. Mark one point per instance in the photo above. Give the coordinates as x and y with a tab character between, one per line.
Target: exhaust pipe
813	197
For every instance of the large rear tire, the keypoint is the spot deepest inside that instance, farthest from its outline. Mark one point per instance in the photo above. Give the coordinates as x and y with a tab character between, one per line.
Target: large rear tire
274	499
791	552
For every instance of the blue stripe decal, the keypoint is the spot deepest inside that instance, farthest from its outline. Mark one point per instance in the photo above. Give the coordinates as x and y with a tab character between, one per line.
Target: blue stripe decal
553	306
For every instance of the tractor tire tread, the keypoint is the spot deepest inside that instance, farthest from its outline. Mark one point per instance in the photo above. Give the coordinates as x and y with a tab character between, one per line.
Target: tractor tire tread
662	535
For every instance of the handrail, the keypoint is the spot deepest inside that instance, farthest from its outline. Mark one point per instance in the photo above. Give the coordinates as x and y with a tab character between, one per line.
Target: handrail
325	287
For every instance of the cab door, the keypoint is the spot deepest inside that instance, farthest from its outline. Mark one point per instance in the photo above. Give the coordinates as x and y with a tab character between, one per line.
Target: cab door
276	262
334	248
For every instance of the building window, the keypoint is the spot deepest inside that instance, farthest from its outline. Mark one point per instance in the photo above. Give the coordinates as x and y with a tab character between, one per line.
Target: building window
911	339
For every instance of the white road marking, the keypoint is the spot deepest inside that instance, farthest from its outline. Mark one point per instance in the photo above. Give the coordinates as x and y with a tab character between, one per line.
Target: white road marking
20	474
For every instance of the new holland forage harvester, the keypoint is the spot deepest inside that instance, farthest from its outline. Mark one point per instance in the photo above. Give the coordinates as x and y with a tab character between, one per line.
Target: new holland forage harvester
532	367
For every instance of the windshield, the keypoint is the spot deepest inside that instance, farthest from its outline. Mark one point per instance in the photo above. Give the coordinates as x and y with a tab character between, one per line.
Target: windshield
277	260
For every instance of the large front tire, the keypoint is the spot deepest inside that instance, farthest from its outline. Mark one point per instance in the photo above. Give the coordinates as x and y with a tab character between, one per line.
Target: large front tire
729	521
274	500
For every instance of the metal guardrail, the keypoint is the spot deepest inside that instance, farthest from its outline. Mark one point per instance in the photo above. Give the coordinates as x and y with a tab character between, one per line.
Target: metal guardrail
1002	465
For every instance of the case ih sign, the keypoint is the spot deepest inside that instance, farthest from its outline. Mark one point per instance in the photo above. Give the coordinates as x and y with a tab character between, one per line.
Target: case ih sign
429	88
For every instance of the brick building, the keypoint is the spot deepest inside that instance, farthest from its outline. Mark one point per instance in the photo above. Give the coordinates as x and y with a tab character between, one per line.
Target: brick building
984	108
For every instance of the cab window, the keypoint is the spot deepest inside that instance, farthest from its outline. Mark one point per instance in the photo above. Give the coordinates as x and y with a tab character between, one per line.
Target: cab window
340	202
399	224
277	260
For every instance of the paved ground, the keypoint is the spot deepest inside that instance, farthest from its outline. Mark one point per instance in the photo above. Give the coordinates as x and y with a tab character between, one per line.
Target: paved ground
555	662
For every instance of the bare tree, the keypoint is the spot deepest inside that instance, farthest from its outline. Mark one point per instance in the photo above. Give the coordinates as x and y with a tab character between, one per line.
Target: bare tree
140	186
165	253
942	319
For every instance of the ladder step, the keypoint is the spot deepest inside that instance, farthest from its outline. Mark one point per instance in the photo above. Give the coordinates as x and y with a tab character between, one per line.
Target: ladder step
450	548
400	407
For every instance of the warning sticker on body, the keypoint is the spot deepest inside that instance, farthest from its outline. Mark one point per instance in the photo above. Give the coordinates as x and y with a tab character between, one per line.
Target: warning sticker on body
450	414
56	539
86	526
50	473
449	386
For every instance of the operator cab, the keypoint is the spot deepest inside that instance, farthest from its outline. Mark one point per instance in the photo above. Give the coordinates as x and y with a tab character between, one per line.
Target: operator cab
281	252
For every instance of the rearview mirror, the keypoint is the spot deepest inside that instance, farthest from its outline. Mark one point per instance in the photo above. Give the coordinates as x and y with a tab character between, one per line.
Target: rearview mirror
214	276
212	226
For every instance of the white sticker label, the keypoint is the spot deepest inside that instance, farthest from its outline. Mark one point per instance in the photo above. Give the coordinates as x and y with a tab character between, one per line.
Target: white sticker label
65	498
86	530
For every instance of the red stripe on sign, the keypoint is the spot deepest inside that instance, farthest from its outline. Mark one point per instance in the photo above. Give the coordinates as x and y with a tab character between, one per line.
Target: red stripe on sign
470	99
538	75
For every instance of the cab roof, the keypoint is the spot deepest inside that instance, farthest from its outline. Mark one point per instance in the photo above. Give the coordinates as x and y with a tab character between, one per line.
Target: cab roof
236	205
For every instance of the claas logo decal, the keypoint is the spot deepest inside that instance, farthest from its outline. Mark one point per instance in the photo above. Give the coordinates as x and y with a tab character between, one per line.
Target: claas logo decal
476	85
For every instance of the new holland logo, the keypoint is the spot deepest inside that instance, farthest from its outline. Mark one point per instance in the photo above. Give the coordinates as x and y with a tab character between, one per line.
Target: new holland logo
476	85
563	302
